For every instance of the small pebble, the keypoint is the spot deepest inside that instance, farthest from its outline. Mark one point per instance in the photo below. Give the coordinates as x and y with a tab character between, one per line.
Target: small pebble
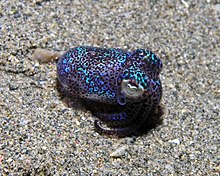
185	4
45	56
217	168
13	86
119	152
175	141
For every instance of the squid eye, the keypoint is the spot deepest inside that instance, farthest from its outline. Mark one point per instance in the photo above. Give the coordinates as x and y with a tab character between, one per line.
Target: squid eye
131	90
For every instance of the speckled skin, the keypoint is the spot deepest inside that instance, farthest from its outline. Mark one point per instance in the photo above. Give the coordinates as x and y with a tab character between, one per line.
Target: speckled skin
95	77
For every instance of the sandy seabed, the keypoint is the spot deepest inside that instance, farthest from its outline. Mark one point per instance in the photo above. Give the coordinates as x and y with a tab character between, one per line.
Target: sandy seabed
39	135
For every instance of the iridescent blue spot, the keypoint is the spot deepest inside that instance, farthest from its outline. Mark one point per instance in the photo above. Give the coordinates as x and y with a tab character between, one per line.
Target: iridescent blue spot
64	61
83	70
91	90
101	82
91	83
158	82
67	69
88	80
113	95
96	89
70	59
107	55
104	88
108	92
152	57
68	54
122	58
